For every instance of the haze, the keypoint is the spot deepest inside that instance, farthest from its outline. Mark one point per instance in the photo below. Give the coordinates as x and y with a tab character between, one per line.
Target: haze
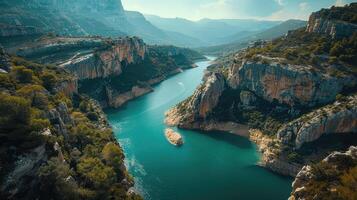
232	9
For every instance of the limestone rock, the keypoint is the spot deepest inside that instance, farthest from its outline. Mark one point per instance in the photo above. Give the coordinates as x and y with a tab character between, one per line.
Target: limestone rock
4	61
340	117
288	84
334	28
306	174
173	137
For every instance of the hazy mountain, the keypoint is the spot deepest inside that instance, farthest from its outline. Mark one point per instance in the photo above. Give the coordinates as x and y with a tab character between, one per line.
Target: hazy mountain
242	39
211	31
153	35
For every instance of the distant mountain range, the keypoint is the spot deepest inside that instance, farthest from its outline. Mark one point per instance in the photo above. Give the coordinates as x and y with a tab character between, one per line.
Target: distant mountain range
242	39
211	31
108	18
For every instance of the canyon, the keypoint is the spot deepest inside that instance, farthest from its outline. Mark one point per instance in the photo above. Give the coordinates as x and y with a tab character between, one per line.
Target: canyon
285	104
62	63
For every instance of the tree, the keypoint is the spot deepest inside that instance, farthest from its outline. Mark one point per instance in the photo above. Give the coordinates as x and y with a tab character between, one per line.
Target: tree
113	156
95	172
14	112
49	80
56	181
22	74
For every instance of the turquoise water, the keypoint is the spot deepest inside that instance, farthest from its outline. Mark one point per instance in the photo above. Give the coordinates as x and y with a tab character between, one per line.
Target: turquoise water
209	166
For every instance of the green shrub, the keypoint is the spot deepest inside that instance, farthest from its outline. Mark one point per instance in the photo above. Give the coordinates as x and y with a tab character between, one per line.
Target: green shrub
113	156
49	80
95	172
22	74
15	112
294	157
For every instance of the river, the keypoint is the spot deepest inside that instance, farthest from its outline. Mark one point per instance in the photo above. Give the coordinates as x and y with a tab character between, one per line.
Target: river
209	166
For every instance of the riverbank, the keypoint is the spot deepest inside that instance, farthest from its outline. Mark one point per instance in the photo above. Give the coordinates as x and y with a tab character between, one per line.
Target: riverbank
117	100
267	146
208	166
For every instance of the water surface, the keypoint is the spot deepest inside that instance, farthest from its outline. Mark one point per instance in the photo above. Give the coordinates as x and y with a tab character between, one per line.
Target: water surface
209	166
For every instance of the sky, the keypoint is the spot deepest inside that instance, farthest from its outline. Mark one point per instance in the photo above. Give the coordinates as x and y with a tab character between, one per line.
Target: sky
232	9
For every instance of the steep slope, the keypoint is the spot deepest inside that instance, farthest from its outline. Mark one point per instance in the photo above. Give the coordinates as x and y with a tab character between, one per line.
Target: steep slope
80	18
332	178
293	92
55	143
113	71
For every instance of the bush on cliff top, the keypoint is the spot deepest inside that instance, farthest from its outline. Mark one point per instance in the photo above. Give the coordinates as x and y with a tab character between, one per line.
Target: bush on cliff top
94	162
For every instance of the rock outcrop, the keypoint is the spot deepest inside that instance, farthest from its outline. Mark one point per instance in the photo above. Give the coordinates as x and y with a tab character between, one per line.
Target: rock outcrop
340	117
108	62
269	148
338	163
288	84
4	61
336	28
173	137
200	104
116	100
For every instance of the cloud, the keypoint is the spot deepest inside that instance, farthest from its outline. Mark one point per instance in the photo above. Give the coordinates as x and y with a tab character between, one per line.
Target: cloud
304	6
340	3
280	2
302	12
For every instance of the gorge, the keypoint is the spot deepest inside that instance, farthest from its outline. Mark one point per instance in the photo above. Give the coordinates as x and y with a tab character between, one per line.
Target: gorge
97	103
163	171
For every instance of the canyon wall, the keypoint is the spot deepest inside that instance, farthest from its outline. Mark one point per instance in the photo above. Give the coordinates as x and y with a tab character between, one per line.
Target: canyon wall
334	172
108	62
288	84
335	28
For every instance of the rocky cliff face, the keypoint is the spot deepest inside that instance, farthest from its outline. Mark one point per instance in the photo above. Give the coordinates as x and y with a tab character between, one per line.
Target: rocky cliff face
86	57
108	62
288	84
4	61
200	104
336	28
286	90
340	117
336	166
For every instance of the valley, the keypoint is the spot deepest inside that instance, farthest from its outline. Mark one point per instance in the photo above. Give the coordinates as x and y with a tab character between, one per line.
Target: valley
101	102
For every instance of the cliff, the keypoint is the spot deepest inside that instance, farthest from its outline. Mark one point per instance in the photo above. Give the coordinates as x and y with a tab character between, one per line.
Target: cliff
299	100
288	84
108	62
334	22
55	142
340	117
332	178
113	71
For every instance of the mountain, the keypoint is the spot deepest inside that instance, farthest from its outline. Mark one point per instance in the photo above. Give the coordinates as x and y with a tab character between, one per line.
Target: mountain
83	17
210	31
295	97
242	39
153	35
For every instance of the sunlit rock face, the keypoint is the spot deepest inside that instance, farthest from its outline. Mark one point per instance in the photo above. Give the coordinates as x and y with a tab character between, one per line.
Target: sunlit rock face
334	28
108	62
336	161
340	117
287	84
